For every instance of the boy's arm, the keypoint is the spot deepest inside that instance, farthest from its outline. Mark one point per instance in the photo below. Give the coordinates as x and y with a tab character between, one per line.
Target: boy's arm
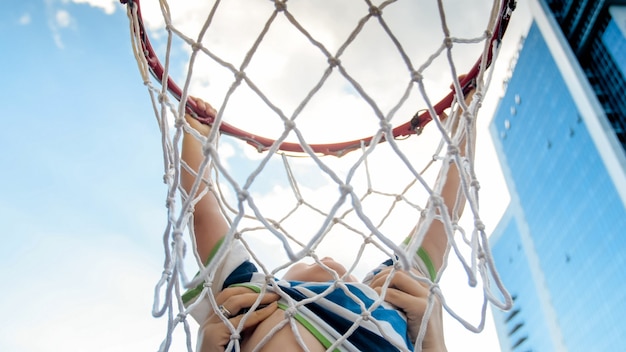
435	240
412	296
209	223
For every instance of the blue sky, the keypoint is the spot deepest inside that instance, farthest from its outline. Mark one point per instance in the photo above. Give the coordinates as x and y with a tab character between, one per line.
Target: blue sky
82	200
82	206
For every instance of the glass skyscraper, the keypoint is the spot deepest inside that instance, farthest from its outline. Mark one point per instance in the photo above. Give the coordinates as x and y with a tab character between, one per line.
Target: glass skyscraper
560	135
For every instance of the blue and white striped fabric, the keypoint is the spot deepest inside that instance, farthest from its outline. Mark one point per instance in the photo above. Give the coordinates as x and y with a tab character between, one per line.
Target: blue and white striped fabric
329	316
336	312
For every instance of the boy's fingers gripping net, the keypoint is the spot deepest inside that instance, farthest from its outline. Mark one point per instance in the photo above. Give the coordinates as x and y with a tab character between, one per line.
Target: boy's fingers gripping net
304	75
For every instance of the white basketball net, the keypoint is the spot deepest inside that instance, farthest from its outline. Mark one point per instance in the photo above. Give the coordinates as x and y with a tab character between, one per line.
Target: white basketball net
358	207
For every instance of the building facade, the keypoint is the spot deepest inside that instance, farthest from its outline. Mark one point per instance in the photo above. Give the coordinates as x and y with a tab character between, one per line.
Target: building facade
559	132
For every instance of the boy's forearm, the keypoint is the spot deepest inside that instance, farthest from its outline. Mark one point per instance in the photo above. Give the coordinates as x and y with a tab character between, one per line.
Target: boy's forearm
209	223
435	240
192	156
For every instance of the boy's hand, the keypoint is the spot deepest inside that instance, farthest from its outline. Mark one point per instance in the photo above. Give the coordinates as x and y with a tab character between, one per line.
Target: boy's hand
214	335
411	297
207	109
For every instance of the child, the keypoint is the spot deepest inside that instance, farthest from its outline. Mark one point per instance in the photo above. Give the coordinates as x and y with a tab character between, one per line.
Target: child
392	326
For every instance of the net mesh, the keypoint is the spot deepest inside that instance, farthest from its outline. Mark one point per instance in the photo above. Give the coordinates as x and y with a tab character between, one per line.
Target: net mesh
286	207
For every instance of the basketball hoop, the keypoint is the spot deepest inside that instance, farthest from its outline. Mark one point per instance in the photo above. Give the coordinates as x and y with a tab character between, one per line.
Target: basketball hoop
348	211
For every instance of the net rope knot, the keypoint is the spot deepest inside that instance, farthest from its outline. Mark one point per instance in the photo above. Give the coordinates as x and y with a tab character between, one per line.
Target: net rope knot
179	122
345	189
208	149
416	76
374	11
169	202
333	61
196	46
243	195
479	97
366	315
291	312
453	150
385	126
169	174
479	225
436	200
468	117
280	5
239	76
481	256
289	125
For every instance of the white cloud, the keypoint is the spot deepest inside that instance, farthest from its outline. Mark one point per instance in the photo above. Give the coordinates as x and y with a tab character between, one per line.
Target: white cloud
60	18
63	19
58	41
25	19
108	6
57	20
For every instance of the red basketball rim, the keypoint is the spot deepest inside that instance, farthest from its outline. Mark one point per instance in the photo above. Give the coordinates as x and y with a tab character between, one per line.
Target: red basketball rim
412	126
